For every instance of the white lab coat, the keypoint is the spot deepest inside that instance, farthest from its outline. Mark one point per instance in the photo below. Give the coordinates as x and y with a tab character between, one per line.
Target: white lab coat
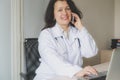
63	56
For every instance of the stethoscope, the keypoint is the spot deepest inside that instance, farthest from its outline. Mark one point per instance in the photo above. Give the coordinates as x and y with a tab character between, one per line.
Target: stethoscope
78	40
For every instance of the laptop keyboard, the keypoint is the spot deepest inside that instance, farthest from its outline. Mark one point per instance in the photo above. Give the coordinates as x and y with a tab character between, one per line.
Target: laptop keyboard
100	76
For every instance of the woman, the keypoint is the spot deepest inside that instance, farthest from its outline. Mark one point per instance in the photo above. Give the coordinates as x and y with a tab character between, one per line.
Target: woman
63	43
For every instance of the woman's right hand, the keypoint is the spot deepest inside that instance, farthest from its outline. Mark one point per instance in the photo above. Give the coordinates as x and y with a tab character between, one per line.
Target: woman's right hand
77	22
86	72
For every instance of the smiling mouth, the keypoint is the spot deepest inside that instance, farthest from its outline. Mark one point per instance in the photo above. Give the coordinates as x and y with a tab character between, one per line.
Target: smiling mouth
65	18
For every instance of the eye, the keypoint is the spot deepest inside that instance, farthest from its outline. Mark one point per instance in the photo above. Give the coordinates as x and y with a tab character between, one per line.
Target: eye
59	10
68	8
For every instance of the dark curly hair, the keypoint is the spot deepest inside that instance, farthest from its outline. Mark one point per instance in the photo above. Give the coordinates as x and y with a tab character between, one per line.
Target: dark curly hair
49	15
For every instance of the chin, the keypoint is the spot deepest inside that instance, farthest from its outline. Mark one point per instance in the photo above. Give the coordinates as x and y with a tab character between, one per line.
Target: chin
67	22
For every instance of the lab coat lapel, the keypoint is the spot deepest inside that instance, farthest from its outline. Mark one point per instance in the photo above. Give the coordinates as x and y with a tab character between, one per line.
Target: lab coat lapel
73	34
58	36
57	32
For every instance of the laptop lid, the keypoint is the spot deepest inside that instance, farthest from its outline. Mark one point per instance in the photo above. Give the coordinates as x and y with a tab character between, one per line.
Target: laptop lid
114	66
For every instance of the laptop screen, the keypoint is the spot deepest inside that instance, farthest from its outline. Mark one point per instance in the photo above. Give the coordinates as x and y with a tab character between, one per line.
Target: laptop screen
114	66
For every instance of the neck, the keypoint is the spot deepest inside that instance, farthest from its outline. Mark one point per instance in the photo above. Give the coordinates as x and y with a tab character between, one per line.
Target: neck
65	27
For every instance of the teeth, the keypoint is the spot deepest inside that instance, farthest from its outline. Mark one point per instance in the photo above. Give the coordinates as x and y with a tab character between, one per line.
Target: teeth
64	18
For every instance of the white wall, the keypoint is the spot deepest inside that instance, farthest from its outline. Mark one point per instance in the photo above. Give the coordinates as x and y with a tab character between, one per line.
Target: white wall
5	60
98	17
117	19
34	11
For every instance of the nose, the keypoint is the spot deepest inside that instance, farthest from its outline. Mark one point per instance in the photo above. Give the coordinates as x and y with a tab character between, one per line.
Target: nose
64	11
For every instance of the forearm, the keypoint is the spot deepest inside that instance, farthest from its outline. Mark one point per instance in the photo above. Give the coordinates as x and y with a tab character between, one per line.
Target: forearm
88	45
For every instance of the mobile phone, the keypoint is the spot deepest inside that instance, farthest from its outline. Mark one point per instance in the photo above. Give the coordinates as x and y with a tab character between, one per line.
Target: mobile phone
73	19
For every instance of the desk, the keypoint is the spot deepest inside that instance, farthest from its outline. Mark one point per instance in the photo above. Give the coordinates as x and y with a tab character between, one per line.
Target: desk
102	67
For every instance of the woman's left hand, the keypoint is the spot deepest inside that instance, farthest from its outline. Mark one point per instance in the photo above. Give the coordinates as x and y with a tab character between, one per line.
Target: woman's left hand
77	21
87	71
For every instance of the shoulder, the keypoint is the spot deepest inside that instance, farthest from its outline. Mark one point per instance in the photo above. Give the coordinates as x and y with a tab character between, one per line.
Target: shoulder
45	31
45	35
46	39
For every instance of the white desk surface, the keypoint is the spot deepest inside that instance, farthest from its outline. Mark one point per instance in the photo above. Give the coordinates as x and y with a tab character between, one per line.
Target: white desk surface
102	67
99	68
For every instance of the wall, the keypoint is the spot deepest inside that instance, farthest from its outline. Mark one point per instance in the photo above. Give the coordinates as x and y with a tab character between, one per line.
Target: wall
98	17
117	19
34	11
5	60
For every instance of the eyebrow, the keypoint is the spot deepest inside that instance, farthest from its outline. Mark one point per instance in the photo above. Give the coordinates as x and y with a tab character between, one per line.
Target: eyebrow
65	7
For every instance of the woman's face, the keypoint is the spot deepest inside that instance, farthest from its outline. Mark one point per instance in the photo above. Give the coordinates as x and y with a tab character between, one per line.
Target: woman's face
62	13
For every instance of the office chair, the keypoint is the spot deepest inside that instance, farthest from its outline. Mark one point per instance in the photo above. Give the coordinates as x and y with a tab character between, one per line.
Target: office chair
31	58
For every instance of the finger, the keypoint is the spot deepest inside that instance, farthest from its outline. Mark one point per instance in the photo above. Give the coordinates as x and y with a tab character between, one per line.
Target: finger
75	16
91	70
87	73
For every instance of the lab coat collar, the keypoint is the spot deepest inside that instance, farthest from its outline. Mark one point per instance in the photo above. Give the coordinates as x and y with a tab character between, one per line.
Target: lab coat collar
58	31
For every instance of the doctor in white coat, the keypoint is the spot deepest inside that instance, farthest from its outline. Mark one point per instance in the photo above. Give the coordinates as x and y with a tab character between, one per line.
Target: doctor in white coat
63	43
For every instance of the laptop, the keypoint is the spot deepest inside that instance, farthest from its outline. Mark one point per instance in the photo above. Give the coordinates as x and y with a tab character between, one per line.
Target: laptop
113	72
114	67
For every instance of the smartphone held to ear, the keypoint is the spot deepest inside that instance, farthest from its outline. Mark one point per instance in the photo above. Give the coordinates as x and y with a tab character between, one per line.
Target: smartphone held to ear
73	19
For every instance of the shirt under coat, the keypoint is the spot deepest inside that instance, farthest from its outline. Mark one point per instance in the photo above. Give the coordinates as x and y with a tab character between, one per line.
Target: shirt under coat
63	56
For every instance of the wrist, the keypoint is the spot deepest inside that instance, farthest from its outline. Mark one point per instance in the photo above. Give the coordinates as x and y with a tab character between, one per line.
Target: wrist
80	27
79	74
